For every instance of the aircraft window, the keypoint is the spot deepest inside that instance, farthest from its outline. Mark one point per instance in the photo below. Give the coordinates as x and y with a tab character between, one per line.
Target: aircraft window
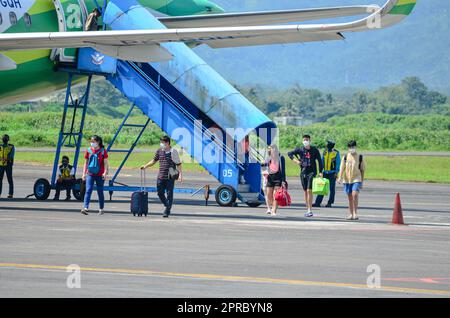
1	18
27	19
13	18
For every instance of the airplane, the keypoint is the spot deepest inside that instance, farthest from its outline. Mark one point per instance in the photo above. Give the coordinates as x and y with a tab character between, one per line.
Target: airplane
36	35
144	50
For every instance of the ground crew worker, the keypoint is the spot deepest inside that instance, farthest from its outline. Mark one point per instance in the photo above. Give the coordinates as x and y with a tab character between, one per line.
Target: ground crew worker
331	163
66	178
92	20
7	152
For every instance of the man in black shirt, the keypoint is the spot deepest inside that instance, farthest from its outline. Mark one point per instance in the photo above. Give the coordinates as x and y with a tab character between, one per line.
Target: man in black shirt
310	161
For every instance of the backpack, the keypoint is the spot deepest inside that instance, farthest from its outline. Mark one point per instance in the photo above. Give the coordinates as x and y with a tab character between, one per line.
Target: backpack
94	164
360	160
174	174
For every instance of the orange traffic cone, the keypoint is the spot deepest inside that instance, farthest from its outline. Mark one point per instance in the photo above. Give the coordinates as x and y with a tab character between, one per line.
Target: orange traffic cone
397	217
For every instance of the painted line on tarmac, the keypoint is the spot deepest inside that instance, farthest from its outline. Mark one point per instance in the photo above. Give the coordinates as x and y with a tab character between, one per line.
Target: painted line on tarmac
279	222
229	278
427	280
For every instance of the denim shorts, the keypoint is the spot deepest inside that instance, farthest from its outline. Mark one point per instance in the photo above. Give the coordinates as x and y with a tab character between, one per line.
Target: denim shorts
350	187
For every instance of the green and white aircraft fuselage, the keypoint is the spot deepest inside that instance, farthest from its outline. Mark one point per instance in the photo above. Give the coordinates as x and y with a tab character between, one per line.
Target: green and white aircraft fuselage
35	75
27	71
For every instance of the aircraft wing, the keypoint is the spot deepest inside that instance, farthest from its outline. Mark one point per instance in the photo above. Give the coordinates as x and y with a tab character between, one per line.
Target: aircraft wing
263	17
137	44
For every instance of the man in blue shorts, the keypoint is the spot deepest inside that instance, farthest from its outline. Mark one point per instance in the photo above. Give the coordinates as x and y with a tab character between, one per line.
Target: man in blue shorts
351	173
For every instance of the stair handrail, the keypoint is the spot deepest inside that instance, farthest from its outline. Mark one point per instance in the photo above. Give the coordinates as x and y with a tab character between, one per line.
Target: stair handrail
228	151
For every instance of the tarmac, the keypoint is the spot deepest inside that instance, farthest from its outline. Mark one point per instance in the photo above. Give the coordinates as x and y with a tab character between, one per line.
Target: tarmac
212	251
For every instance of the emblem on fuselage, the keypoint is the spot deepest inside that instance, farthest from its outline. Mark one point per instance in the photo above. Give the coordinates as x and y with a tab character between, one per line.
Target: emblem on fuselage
97	58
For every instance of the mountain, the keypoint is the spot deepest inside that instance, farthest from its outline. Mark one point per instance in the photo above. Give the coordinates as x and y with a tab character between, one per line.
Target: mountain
419	46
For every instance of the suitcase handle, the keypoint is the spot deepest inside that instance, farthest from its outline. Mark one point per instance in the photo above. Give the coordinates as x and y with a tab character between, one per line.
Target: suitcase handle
143	180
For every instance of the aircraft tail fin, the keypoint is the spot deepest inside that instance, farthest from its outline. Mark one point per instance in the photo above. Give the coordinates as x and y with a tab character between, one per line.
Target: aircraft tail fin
403	7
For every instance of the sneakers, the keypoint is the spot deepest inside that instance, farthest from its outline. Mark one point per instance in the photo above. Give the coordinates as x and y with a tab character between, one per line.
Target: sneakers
67	199
85	211
10	196
309	214
328	205
269	211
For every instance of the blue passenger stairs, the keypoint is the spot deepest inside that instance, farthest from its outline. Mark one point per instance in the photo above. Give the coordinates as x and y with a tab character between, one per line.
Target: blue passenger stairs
174	113
204	139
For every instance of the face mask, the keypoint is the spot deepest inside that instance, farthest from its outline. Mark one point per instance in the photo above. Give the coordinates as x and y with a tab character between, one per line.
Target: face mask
94	144
162	145
352	150
306	143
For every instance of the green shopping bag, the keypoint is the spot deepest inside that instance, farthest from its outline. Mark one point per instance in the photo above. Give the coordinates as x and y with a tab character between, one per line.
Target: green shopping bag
321	186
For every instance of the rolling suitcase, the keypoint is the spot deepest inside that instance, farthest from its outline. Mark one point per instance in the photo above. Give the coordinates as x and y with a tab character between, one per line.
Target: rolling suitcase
139	199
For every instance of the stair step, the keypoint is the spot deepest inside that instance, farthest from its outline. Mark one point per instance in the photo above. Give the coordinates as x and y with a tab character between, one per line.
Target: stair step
249	196
243	188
